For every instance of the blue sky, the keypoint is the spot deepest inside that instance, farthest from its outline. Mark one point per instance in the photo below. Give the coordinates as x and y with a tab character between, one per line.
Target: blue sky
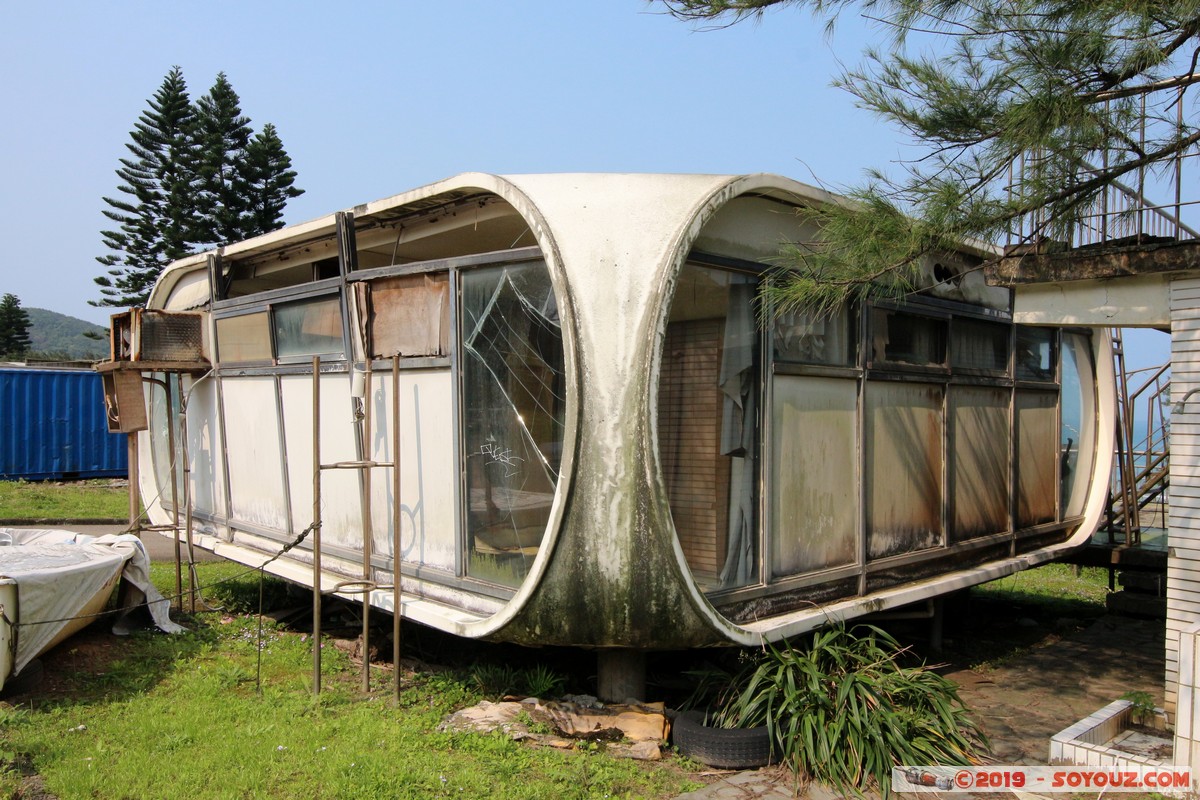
373	98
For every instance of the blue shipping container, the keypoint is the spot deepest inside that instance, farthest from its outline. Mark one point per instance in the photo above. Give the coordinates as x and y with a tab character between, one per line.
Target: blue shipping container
53	426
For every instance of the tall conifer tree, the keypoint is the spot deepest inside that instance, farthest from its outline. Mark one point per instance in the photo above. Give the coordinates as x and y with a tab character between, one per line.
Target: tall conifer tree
156	218
223	136
270	182
14	327
196	177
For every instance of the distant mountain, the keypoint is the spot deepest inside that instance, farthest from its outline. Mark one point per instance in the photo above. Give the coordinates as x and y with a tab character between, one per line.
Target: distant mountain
51	332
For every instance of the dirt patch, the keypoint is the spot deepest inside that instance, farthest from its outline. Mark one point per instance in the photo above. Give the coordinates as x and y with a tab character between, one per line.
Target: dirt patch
1030	696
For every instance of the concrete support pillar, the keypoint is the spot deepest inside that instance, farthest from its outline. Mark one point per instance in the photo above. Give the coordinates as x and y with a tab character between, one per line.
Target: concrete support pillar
621	675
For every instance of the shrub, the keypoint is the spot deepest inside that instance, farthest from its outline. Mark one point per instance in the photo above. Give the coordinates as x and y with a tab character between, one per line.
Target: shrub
845	711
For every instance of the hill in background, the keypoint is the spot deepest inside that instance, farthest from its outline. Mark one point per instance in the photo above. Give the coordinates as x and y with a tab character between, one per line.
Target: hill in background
59	334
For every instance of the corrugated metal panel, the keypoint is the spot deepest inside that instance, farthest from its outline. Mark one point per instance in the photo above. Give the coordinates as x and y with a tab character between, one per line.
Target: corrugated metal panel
52	426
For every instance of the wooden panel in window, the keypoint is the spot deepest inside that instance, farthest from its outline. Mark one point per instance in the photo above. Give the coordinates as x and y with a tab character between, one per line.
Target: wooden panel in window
408	315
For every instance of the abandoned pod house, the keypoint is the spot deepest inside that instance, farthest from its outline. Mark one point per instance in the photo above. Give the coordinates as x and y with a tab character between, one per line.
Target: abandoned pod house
552	403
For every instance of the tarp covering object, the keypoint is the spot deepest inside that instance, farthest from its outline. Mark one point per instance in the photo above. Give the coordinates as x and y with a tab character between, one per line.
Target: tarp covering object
58	573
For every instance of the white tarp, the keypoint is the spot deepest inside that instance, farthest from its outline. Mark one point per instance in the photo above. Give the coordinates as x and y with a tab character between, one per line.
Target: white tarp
59	573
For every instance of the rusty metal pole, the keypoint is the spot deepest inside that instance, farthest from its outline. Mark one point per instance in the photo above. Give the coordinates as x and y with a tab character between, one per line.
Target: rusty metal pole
396	517
316	532
188	521
135	510
166	384
368	531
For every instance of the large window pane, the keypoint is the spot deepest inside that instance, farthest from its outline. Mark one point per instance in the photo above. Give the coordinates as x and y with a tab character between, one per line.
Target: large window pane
814	491
1037	452
804	338
904	467
309	328
979	473
1078	434
245	338
978	345
1036	355
513	403
707	424
907	339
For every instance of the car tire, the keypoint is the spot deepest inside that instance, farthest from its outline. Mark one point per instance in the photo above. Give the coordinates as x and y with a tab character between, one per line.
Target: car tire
726	748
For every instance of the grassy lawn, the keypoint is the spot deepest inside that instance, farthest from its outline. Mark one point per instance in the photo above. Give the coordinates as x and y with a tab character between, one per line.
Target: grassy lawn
157	716
37	501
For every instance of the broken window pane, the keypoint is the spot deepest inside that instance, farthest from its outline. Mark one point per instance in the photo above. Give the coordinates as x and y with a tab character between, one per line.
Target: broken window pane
904	467
814	464
243	339
513	405
309	328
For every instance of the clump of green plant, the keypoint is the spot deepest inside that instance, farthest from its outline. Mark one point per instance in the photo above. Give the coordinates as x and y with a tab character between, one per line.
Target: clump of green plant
499	680
542	681
495	680
1142	707
845	710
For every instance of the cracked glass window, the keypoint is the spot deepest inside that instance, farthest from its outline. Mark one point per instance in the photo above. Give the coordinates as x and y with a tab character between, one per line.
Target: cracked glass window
513	403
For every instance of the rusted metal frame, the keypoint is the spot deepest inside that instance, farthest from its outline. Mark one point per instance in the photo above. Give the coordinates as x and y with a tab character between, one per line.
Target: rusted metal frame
397	572
260	301
762	457
187	497
367	522
166	387
289	516
860	439
766	452
1059	507
724	597
456	399
496	258
1013	444
1124	442
135	511
316	524
1141	171
1178	163
347	257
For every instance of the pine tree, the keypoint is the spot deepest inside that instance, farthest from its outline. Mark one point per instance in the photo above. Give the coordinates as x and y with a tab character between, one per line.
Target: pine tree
270	182
196	177
222	138
14	327
1077	93
157	218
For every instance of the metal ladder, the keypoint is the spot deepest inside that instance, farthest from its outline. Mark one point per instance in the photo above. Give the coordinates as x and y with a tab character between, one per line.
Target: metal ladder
366	584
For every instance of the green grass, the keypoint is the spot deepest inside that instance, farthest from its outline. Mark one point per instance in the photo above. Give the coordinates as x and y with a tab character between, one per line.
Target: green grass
1052	590
181	716
37	501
